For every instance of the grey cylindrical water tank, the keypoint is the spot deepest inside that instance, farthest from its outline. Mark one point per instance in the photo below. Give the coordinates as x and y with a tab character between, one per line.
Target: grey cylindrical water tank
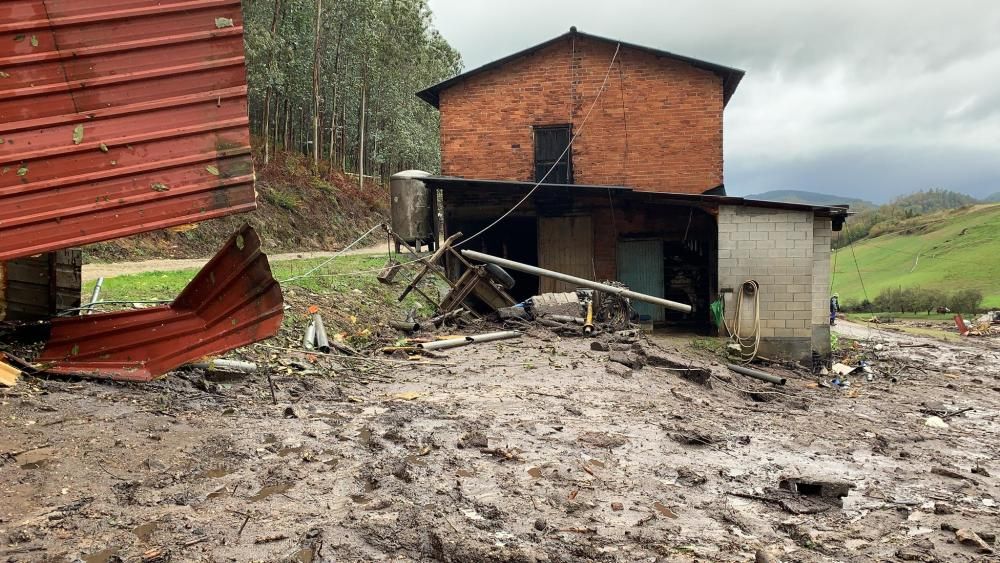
411	208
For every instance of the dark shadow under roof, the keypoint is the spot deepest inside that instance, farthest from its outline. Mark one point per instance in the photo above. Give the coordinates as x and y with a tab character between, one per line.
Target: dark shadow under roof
453	182
730	76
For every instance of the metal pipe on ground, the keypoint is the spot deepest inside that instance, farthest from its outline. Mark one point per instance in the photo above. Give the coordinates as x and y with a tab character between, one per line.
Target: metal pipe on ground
96	295
757	374
466	340
226	365
534	270
493	336
443	344
405	326
322	342
309	338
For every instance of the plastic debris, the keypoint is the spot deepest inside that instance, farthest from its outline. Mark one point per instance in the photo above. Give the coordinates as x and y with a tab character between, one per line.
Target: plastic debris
936	422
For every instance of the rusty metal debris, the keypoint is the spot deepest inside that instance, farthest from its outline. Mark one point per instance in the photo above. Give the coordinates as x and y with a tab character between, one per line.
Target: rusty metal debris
232	302
120	118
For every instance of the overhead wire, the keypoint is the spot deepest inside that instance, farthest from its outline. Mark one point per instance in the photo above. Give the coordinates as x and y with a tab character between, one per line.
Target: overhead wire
576	135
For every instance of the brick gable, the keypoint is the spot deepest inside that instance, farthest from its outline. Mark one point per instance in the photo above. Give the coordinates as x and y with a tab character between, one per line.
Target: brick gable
672	109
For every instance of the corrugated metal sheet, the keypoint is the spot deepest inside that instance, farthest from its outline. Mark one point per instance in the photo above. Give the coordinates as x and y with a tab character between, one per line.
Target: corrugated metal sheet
38	287
565	244
232	302
119	117
640	267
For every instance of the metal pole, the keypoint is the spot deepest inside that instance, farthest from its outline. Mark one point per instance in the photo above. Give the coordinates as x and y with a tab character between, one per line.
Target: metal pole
466	340
757	374
493	336
322	342
575	280
226	365
444	344
309	339
95	296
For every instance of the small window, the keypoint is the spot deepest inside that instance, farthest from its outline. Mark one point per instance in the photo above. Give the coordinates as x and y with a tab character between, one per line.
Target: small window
550	142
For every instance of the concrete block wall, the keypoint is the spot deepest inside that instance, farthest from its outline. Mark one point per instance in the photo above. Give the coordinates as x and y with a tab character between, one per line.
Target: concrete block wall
822	236
776	248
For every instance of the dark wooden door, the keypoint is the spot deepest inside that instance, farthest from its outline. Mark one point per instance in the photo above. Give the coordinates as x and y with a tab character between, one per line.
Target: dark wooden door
550	142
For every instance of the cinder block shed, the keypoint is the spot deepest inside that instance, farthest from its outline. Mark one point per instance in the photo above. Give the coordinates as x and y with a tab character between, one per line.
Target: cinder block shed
691	248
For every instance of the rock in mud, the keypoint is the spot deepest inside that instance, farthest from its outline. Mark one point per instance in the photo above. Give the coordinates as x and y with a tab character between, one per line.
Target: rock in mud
618	369
603	439
688	476
922	550
473	440
540	525
629	359
972	539
947	472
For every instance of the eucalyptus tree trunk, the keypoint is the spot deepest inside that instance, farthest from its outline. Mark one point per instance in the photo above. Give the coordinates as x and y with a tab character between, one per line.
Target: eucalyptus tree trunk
315	93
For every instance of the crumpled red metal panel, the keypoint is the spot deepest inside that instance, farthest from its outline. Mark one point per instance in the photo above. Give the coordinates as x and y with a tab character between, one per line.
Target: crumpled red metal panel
233	301
119	117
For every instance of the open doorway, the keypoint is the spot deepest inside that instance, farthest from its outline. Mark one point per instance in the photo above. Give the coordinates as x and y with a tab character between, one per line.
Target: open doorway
514	238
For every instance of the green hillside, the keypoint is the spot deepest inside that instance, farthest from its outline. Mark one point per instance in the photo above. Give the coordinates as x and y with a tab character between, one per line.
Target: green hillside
948	250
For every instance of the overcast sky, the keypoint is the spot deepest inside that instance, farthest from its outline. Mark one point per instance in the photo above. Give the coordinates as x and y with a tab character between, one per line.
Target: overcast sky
872	98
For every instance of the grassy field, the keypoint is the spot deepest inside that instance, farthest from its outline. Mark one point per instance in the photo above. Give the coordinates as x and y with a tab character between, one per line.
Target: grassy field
347	280
950	250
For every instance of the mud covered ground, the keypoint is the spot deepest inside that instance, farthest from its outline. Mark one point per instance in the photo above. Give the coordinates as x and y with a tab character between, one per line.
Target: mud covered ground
523	450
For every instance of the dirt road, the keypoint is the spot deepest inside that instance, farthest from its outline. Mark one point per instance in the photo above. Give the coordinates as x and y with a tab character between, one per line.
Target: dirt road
95	271
524	450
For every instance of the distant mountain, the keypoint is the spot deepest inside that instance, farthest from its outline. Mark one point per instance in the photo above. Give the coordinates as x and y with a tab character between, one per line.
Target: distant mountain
799	196
994	198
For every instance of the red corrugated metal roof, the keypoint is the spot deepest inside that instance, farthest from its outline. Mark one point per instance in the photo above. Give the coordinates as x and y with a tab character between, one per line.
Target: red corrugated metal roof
232	302
119	117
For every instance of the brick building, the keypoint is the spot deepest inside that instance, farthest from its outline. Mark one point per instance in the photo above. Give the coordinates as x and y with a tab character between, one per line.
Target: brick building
626	182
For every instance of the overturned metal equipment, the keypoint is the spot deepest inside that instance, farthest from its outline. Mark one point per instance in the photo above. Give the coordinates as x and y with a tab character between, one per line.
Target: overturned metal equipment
232	302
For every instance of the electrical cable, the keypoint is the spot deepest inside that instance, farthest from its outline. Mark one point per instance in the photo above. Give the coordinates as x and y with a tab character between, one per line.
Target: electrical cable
746	342
330	259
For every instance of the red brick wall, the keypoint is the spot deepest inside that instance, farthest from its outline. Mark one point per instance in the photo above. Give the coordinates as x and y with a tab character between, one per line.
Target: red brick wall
673	113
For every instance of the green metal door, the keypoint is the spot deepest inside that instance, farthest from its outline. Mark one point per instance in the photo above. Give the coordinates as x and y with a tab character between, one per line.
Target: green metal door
640	266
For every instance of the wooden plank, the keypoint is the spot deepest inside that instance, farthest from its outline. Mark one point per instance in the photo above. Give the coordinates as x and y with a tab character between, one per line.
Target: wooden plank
565	244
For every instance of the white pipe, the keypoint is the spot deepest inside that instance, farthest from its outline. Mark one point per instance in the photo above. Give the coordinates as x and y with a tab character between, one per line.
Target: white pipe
493	336
466	340
226	365
95	296
444	344
575	280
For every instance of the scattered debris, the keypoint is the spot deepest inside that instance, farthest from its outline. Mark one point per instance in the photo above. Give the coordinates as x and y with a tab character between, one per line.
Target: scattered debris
832	489
936	422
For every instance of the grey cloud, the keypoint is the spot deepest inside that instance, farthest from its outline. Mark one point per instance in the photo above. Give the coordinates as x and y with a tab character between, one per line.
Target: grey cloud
908	88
